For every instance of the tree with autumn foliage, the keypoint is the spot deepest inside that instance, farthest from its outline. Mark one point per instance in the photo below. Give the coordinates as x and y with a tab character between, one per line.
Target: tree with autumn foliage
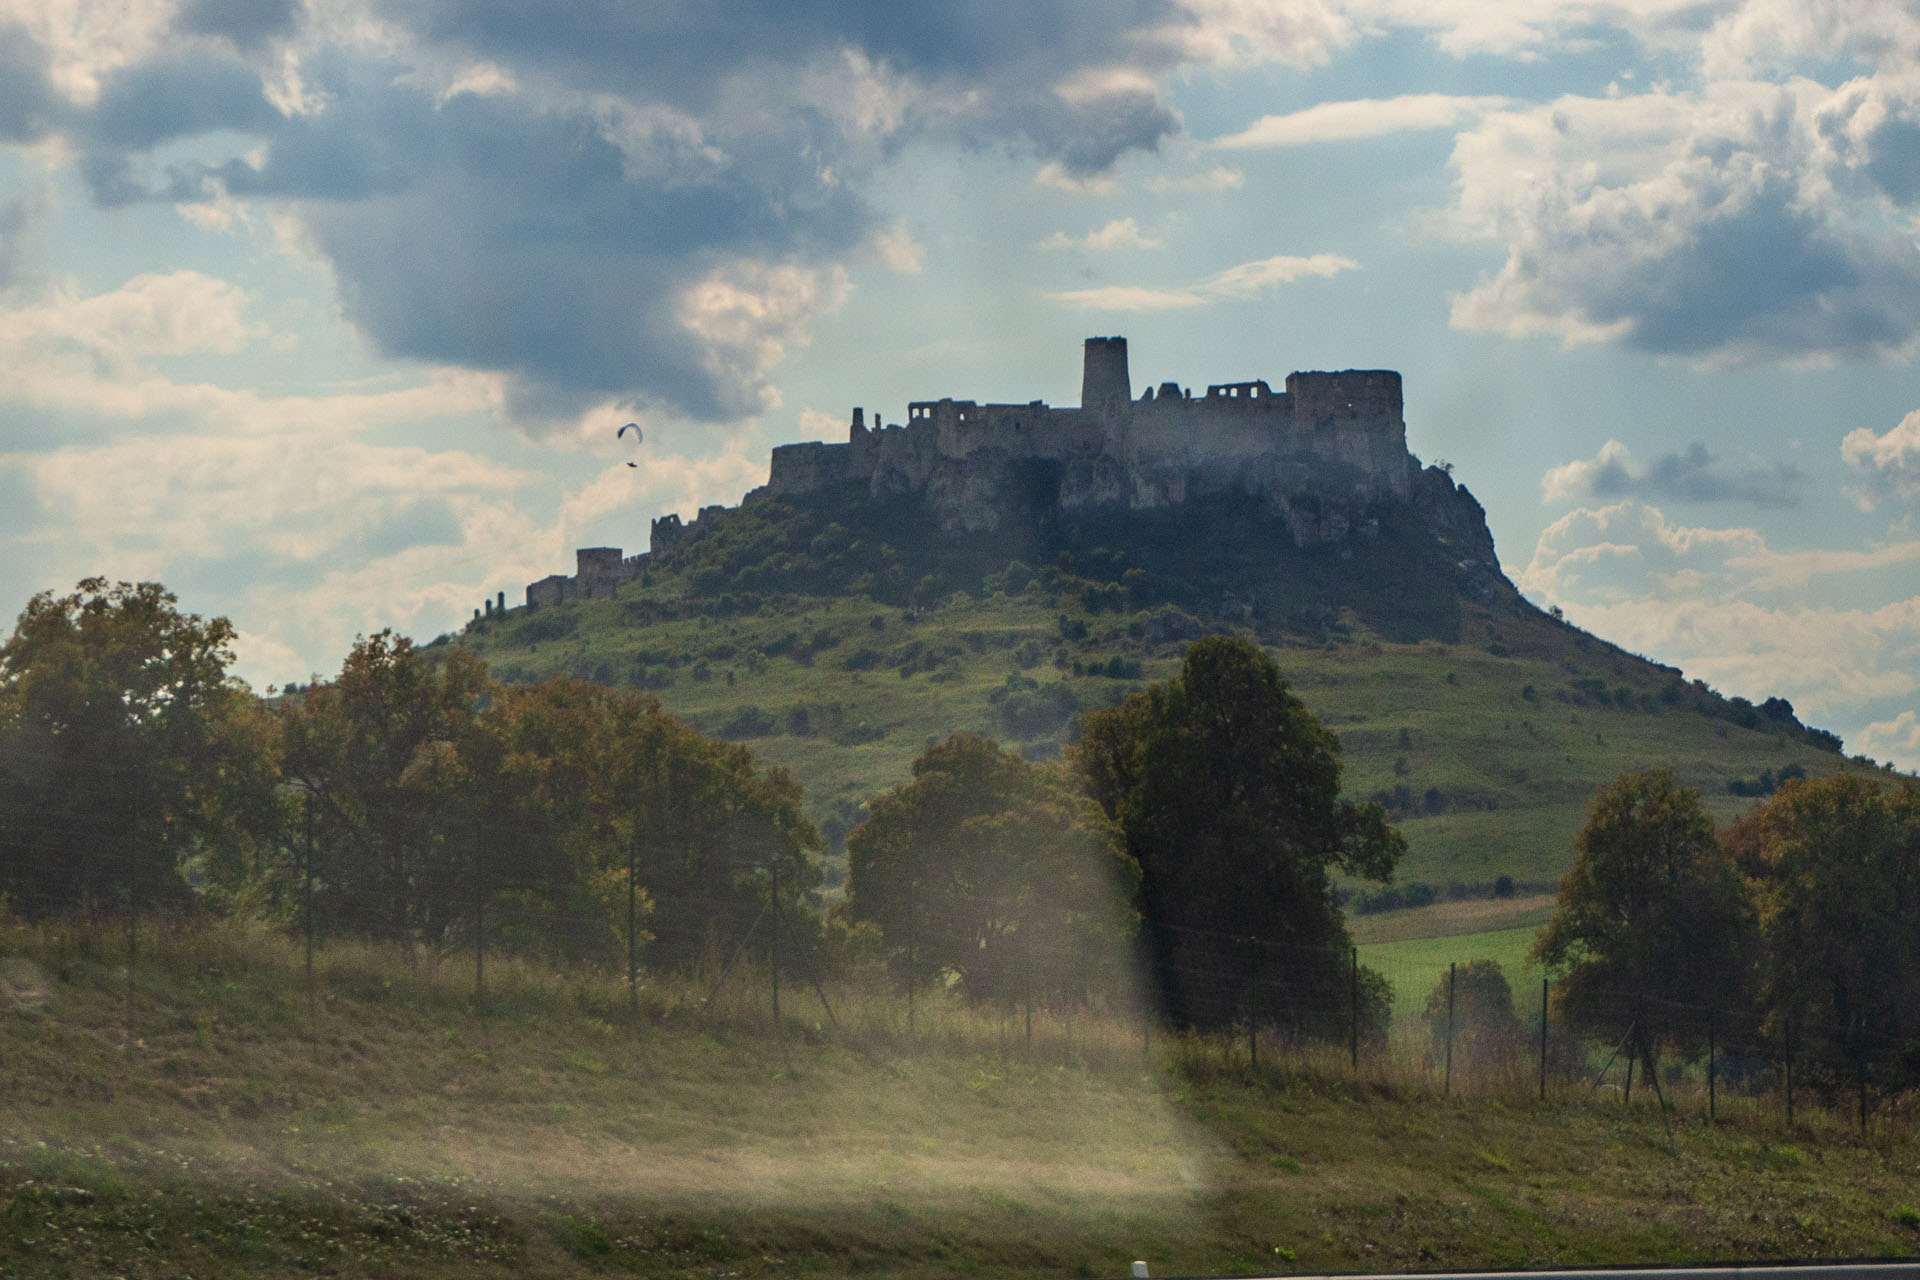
130	760
1836	867
996	872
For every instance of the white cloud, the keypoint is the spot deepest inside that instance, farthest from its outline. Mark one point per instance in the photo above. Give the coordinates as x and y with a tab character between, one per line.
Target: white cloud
1360	118
1247	280
1692	474
1218	178
1896	741
1889	464
1727	608
747	314
1233	33
1722	226
1534	30
1121	233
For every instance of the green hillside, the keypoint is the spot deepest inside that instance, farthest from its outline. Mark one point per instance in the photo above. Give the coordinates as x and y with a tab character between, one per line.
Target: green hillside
1482	723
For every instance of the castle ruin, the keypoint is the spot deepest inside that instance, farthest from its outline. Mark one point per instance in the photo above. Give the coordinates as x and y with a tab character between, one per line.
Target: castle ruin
1326	454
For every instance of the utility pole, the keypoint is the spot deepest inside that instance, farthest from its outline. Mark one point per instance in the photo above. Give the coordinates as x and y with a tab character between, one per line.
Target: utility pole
1447	1087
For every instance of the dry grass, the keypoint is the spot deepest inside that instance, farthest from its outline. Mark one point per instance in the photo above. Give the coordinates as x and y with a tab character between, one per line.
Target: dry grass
398	1133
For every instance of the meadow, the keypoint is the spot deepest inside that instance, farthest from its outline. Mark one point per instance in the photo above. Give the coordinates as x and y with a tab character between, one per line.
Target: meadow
207	1119
1484	751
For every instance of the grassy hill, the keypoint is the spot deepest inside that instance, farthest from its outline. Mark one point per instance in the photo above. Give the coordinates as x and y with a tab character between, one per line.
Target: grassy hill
1482	723
209	1124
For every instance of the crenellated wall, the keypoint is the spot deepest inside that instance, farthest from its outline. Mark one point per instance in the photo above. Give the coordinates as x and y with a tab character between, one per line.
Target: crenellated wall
1334	436
1326	453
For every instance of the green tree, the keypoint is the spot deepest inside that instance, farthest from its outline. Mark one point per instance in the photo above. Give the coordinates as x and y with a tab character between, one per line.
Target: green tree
1654	926
714	835
1484	1029
378	754
127	753
1837	867
995	871
1227	791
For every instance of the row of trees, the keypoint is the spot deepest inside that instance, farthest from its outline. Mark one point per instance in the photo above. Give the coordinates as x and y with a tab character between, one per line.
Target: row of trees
1795	923
1205	813
411	799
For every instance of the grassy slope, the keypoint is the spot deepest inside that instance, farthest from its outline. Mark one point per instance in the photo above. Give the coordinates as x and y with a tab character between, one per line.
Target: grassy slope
403	1137
1514	773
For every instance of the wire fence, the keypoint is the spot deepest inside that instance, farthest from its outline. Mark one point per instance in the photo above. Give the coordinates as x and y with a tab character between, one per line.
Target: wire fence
1175	997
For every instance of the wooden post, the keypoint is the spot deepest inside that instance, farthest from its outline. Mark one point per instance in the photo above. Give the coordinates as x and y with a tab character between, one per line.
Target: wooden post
1543	1039
306	903
633	921
773	936
1353	1012
1447	1087
1789	1071
1712	1063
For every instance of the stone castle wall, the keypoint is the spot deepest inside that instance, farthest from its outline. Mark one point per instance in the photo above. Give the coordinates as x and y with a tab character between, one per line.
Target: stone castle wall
1325	453
1334	437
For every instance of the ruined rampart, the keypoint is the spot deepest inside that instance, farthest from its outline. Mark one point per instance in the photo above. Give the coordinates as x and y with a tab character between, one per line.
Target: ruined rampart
1327	453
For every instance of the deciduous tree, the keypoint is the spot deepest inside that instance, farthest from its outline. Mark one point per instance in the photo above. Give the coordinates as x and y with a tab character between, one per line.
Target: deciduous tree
1227	791
996	871
127	752
1654	926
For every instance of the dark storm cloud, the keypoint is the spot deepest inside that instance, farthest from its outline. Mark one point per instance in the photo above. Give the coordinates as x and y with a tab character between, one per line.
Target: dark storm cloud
177	94
29	108
554	232
1691	475
681	52
248	23
1895	166
1772	276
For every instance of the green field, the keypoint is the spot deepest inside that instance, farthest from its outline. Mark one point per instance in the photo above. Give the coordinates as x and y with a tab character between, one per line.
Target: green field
1485	749
1417	967
207	1121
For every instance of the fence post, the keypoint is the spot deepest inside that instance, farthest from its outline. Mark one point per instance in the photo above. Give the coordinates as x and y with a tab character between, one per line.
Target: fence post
773	937
1253	1004
1447	1087
633	918
479	928
1712	1062
910	942
1353	1013
1026	981
1860	1076
1543	1039
306	902
1789	1071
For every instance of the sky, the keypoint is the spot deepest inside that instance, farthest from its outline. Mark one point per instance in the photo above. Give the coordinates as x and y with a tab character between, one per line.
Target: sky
326	315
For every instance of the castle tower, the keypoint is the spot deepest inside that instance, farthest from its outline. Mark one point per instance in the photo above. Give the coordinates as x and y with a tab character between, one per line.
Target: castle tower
1104	387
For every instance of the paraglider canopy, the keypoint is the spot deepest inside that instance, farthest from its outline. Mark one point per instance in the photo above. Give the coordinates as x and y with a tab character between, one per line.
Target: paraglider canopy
635	428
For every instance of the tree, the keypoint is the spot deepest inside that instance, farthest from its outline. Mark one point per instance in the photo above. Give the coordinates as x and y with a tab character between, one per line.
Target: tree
377	753
1477	1013
126	750
1227	792
1654	926
994	870
1837	865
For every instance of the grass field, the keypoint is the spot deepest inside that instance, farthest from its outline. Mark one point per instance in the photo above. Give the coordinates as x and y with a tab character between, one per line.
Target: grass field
1487	749
227	1129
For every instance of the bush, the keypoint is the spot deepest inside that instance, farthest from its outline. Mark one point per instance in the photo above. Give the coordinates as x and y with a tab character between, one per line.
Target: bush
1486	1032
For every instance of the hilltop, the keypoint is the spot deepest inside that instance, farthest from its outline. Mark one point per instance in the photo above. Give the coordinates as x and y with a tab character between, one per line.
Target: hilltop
853	610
